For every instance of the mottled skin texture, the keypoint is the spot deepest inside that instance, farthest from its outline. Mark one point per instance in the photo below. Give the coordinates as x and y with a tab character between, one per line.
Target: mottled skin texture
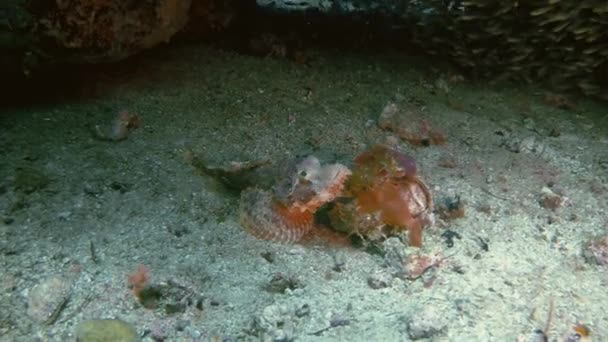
286	214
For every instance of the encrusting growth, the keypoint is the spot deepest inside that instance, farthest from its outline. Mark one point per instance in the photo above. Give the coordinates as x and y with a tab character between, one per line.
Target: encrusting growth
387	197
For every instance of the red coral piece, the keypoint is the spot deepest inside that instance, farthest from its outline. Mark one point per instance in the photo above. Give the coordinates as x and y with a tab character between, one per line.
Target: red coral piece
139	279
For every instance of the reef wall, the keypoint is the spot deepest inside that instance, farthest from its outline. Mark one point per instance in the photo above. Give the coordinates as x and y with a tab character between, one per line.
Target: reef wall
561	43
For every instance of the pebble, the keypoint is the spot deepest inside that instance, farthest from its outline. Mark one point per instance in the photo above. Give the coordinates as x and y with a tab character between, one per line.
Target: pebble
276	323
106	330
527	144
426	323
46	299
379	280
596	251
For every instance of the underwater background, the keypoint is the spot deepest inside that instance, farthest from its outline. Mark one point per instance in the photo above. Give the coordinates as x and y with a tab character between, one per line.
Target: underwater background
297	171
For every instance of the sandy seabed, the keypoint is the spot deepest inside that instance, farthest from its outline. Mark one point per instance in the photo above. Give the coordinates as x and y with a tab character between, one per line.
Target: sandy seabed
85	213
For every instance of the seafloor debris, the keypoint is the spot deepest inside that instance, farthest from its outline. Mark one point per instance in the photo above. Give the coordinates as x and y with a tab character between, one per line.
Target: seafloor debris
596	251
272	45
551	200
410	126
236	175
379	279
124	123
138	281
518	144
47	299
386	197
426	323
408	263
451	208
286	213
30	179
560	101
275	323
417	264
170	296
580	333
449	237
336	320
280	283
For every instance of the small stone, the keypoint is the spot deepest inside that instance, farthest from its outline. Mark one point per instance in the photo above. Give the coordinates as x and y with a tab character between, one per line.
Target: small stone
395	253
280	283
596	251
29	180
603	162
551	200
303	310
275	323
388	115
528	144
379	280
426	323
46	299
173	308
106	330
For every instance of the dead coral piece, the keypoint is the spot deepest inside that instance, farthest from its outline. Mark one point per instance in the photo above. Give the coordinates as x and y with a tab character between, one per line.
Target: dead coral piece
404	122
410	263
387	197
418	264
